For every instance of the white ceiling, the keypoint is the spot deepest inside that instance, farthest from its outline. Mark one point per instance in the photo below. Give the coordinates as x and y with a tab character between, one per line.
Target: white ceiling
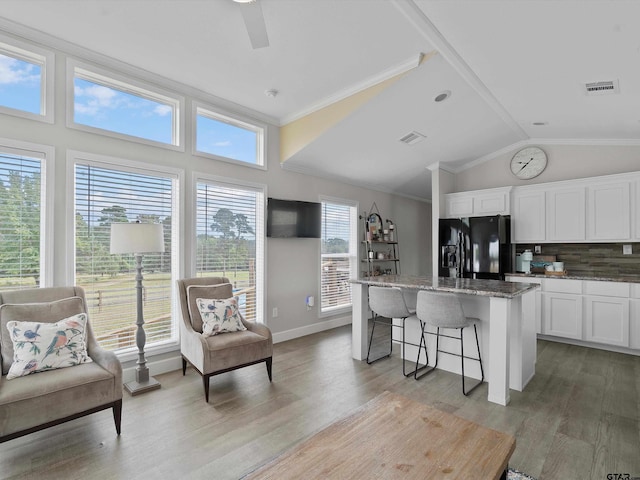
507	63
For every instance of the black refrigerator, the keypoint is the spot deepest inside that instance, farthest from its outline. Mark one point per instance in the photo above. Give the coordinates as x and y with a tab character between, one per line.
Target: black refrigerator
475	247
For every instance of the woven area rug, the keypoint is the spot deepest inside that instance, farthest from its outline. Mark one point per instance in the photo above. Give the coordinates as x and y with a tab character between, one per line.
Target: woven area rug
516	475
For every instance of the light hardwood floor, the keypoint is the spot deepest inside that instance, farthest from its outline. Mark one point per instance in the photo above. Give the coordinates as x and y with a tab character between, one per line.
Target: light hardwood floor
577	419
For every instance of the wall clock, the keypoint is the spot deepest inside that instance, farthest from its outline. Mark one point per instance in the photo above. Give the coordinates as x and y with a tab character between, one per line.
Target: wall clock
528	163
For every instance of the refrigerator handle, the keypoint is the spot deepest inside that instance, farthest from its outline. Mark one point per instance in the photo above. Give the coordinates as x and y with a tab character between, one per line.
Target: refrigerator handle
461	258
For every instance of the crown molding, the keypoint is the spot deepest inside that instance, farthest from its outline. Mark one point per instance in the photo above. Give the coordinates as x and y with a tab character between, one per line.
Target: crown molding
391	72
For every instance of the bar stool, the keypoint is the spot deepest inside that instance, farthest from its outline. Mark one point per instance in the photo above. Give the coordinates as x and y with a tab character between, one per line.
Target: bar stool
444	310
389	302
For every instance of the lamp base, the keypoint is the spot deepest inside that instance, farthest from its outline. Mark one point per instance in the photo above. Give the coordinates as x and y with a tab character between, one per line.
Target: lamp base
136	388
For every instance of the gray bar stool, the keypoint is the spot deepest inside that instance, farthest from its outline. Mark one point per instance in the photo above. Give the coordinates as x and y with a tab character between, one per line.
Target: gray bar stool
444	310
389	302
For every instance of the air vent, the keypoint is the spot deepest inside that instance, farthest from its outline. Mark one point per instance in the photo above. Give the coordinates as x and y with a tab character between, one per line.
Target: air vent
412	138
602	88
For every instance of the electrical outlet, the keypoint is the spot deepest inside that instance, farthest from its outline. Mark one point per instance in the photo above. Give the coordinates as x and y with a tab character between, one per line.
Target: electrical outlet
627	250
274	314
537	249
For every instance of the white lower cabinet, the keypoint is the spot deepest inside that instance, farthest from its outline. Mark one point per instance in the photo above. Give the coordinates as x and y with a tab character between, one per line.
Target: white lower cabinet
634	324
607	320
562	315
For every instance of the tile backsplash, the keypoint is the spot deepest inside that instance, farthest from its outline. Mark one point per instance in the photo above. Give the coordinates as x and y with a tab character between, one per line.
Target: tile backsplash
592	259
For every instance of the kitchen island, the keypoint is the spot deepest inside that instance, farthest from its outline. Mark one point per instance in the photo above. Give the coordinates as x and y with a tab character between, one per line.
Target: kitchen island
507	325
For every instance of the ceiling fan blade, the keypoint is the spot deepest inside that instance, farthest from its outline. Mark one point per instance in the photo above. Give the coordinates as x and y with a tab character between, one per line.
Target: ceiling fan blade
254	21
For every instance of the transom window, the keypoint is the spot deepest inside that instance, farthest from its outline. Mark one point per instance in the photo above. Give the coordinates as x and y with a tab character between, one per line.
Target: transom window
111	105
228	138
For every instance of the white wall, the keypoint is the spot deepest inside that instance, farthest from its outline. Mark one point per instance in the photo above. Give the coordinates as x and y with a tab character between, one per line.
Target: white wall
565	162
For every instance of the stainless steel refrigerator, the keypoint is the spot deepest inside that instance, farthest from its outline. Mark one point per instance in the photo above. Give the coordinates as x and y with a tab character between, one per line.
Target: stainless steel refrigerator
475	247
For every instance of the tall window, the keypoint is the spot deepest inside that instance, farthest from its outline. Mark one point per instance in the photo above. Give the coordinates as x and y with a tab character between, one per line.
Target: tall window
21	227
338	254
228	138
111	105
26	86
230	240
105	194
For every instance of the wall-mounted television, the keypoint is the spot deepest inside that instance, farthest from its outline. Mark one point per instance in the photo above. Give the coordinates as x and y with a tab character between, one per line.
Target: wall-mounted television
293	218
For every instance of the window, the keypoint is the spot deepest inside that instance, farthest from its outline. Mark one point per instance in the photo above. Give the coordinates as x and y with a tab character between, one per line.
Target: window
338	254
26	86
111	105
22	228
230	239
227	138
107	193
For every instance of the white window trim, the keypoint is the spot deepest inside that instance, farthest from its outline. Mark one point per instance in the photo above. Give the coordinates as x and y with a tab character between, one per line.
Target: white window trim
234	119
47	210
73	157
198	177
353	247
130	85
46	59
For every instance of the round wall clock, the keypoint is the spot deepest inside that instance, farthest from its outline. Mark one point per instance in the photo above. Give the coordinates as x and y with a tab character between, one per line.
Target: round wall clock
528	163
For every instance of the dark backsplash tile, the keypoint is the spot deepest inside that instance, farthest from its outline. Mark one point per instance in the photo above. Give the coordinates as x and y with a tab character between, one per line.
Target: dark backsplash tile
592	259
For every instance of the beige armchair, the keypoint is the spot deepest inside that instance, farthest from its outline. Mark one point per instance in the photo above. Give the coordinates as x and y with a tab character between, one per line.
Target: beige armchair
223	352
44	399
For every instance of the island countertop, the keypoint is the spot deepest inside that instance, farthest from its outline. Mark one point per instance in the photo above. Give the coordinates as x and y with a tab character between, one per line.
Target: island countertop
467	286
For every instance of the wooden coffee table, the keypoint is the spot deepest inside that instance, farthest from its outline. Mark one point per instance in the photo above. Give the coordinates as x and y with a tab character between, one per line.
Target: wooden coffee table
393	437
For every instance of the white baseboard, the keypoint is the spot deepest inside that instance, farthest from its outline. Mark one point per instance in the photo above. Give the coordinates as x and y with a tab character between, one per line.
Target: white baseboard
309	329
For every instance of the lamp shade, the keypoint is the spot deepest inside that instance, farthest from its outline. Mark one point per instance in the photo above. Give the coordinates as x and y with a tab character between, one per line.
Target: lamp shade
136	238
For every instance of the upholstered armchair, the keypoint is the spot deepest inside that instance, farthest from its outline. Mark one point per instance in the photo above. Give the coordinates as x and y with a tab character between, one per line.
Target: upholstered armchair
222	352
40	400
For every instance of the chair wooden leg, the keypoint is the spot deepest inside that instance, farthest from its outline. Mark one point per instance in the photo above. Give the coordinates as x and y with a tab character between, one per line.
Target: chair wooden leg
269	362
205	382
184	366
117	415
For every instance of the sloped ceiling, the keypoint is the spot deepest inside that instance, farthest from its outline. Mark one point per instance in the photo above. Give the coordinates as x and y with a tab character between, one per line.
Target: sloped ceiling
508	64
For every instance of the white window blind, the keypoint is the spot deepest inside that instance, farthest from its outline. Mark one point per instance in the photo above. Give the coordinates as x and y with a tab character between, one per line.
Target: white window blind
107	195
338	255
20	222
230	240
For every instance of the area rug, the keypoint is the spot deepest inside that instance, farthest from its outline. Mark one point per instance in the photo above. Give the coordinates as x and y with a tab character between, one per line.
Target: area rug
516	475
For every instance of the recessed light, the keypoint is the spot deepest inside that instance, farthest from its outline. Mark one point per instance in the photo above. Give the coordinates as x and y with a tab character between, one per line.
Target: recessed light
539	124
442	96
272	93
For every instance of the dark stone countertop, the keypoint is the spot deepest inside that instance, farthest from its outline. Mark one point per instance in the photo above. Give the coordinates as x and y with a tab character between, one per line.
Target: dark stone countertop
467	286
619	278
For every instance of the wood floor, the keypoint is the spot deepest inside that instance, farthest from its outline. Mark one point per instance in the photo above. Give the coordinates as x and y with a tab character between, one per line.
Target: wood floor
577	419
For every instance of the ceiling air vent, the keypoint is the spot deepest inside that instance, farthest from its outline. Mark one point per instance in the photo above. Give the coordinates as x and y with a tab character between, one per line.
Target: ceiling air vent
602	88
412	138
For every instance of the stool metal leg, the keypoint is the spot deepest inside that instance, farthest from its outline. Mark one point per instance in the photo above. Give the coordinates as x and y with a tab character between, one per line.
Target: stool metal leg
422	341
462	357
373	328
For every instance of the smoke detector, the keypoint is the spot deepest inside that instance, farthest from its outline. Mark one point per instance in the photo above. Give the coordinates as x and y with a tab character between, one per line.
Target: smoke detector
412	138
602	88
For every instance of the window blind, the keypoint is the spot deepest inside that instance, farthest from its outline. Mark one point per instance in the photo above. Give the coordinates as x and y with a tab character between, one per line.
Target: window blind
337	257
20	222
107	195
230	240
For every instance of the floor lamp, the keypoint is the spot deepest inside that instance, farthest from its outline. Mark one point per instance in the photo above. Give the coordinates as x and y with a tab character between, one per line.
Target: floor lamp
138	238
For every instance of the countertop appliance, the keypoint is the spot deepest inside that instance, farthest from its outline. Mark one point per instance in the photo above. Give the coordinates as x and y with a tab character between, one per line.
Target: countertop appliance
475	247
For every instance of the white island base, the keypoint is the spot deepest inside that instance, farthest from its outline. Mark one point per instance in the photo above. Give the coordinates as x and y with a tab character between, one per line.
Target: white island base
506	331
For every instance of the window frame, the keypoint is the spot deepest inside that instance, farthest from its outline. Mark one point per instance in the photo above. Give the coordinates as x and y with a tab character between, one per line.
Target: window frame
132	86
353	254
201	177
47	210
177	235
235	120
46	59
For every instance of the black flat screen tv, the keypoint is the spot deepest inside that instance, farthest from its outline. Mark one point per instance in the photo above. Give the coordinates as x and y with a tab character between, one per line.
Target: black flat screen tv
293	219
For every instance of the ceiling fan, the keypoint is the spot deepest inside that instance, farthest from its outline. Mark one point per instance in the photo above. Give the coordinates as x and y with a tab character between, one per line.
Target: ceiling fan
254	21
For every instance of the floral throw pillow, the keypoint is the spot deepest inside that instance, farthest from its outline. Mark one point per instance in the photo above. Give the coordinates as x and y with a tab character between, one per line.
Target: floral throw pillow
219	316
38	347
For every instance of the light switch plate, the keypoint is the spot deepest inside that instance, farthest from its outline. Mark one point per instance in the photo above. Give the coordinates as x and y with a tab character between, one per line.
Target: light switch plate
537	249
627	250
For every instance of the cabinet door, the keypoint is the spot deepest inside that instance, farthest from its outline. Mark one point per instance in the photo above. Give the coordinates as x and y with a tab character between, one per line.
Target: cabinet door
528	217
634	324
457	206
566	214
563	315
608	212
607	320
495	203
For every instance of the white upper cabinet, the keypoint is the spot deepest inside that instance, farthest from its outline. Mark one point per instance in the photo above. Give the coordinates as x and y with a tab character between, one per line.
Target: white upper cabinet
479	203
565	214
528	219
608	211
636	209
